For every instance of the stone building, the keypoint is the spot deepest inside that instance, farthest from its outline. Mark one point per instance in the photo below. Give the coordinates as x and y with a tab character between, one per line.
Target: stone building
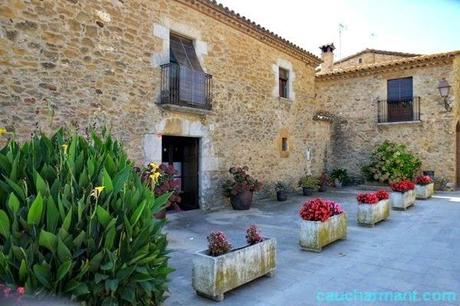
397	99
192	83
183	81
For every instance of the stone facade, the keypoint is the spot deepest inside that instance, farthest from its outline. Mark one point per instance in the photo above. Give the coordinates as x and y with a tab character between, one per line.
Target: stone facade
352	97
86	63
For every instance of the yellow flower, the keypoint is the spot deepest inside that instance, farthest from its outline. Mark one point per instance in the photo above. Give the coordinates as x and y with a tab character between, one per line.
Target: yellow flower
154	177
153	166
97	191
3	131
64	146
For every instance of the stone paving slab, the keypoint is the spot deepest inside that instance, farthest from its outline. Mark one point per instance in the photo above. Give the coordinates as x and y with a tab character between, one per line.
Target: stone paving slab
417	249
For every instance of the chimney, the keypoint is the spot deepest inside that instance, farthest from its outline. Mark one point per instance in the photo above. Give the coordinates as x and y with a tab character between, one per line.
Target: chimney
327	55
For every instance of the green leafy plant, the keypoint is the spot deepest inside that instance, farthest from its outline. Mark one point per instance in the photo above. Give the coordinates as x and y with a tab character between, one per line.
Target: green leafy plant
339	174
390	163
77	221
281	187
309	181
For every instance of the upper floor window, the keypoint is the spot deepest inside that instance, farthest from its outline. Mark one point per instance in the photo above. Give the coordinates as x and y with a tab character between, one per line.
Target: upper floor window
400	105
284	83
183	81
360	61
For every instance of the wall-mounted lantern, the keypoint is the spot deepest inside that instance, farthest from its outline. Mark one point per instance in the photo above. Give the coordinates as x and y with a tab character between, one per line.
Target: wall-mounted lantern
444	89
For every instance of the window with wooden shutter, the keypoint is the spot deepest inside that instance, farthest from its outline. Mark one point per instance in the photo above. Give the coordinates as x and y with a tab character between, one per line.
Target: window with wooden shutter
189	74
283	83
400	100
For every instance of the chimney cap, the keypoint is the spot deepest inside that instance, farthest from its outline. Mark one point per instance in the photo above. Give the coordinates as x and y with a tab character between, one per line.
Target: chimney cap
328	47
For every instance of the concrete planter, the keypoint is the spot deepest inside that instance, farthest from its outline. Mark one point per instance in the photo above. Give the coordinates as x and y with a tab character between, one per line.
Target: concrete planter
424	191
370	214
314	235
213	276
402	200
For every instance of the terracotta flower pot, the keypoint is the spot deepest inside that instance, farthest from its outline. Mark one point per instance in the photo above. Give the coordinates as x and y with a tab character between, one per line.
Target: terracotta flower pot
281	195
242	201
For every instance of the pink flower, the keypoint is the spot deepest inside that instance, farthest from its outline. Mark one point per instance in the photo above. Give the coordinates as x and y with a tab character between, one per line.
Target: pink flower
20	290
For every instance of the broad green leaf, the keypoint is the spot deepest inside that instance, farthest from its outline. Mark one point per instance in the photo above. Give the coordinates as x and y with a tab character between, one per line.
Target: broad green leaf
17	189
63	270
129	295
137	213
109	238
52	215
103	216
48	240
23	272
63	251
36	210
67	220
40	184
42	273
111	284
106	181
13	202
4	224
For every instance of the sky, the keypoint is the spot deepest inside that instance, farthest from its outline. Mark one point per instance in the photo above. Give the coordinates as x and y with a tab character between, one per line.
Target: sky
414	26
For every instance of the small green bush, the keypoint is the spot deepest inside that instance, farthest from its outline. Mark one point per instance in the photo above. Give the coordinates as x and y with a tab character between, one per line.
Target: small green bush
391	162
76	220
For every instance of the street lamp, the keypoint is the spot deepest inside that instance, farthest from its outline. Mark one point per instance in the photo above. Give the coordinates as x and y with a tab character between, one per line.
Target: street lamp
444	89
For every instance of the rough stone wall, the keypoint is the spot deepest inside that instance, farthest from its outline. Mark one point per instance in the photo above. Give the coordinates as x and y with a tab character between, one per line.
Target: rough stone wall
357	133
367	58
96	63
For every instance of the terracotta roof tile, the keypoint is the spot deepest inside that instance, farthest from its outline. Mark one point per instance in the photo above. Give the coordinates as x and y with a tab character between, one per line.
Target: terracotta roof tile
376	51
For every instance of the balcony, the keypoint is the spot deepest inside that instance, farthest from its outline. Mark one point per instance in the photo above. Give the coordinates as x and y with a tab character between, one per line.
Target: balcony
406	110
185	89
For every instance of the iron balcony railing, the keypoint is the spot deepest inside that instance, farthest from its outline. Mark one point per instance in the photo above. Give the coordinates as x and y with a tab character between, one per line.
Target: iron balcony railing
186	87
399	110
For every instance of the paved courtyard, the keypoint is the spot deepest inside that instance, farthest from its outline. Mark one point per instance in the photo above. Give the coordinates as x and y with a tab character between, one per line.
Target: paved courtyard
417	249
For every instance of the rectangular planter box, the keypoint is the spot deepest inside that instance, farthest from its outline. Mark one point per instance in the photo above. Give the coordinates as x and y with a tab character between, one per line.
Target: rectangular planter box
213	276
424	191
369	214
402	200
314	235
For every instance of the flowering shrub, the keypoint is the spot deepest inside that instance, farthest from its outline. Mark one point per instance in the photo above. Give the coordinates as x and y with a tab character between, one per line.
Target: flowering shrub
402	186
382	195
423	180
391	162
253	235
218	244
319	210
367	198
241	182
160	179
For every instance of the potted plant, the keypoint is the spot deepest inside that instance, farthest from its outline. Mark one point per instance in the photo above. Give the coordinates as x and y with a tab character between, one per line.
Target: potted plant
323	222
309	184
424	187
241	188
220	268
403	194
339	175
373	207
281	191
324	182
160	179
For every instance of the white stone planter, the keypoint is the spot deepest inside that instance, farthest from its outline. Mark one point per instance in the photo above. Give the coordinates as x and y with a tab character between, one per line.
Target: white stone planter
424	191
213	276
370	214
402	200
314	235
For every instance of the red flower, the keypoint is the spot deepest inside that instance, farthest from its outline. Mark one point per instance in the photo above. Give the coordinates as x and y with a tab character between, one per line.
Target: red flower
253	235
402	186
20	290
319	210
423	180
367	198
382	195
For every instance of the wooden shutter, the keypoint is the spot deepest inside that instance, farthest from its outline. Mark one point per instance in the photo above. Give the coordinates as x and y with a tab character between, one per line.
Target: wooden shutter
400	90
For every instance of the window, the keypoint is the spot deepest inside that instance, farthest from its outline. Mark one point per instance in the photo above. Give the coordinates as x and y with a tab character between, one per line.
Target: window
182	52
400	100
284	144
360	61
283	83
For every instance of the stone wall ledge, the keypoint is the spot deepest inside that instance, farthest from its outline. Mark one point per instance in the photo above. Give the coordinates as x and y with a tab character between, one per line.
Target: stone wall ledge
186	109
415	122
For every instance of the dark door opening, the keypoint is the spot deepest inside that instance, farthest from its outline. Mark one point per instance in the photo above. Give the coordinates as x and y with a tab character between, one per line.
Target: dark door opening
457	153
182	153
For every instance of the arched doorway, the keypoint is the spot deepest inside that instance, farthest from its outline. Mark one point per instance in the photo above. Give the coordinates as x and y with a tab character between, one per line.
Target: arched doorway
457	153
